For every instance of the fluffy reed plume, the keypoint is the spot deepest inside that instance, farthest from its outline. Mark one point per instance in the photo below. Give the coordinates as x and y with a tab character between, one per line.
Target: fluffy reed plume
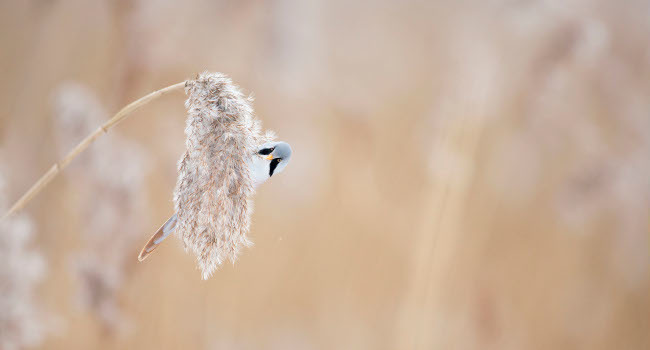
214	188
222	133
21	270
108	179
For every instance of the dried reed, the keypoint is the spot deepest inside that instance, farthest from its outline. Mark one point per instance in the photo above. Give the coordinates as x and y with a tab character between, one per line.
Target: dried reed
214	187
22	322
113	171
63	163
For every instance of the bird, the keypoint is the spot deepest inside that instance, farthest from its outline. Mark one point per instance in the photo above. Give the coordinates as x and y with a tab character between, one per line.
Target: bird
270	159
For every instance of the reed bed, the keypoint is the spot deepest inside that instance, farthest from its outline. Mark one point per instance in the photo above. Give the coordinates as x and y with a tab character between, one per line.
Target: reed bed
469	175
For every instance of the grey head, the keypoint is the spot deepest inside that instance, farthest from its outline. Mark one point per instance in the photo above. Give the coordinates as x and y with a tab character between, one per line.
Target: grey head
278	154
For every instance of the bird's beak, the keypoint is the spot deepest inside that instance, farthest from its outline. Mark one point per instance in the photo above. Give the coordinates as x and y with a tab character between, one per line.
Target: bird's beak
269	157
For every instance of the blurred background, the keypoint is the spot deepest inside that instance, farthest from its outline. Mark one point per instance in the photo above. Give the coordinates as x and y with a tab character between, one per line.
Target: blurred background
467	175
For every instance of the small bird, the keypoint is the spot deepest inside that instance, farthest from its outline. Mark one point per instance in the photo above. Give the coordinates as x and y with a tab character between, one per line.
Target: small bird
270	159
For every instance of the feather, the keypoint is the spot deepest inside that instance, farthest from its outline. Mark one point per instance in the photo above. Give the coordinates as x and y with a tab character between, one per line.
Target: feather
158	237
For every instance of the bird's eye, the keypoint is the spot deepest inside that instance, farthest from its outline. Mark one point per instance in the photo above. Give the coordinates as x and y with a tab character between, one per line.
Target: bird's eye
266	151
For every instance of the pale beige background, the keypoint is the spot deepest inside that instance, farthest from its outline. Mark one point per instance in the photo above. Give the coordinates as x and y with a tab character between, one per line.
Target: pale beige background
467	175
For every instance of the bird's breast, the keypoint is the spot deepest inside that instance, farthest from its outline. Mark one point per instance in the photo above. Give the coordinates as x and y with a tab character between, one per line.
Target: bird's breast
259	170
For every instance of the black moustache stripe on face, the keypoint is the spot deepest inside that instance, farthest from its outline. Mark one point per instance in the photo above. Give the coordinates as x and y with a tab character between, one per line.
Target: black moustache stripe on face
274	164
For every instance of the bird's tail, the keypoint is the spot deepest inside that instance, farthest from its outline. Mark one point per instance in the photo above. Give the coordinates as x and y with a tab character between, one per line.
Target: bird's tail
158	237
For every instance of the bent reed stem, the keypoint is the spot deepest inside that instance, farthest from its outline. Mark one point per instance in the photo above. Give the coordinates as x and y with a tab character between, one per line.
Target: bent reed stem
60	165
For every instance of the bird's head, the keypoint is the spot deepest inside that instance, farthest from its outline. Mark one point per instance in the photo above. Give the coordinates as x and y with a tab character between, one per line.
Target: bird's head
278	154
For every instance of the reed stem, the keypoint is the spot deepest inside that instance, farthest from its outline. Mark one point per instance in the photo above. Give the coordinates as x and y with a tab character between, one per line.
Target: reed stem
60	165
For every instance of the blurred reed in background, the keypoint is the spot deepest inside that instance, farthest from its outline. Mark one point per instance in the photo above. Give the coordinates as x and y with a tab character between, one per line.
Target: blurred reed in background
23	322
113	213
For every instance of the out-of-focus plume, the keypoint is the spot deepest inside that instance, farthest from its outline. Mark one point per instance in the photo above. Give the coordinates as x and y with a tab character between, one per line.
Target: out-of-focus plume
214	186
108	179
22	321
602	137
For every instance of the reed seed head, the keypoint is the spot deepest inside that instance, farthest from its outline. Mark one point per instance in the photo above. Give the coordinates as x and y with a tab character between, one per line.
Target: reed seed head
214	188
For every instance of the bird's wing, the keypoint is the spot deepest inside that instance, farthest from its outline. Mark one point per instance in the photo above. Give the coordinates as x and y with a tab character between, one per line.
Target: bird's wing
158	237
